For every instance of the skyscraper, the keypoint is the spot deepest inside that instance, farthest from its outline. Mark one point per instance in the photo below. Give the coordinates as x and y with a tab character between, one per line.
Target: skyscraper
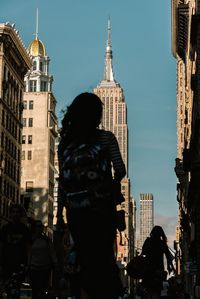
115	119
14	63
146	216
39	134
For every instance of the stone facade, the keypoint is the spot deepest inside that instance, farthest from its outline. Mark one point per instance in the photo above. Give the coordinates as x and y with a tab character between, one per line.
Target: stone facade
14	63
38	138
186	50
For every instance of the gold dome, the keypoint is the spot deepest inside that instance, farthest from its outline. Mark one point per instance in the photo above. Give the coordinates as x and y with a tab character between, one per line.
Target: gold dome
37	47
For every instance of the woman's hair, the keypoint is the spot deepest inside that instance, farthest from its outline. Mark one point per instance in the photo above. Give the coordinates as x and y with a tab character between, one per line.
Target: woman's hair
82	117
158	232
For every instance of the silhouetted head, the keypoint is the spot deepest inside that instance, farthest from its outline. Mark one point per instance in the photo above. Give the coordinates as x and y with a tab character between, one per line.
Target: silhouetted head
83	115
158	233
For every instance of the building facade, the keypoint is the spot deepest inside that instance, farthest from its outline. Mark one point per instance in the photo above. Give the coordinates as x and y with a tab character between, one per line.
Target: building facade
186	50
146	216
115	119
14	63
38	137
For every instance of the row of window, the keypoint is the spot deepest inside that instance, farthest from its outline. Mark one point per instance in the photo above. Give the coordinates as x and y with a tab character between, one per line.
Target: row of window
27	122
11	169
10	147
29	155
12	92
16	65
41	66
8	189
32	86
28	105
4	210
27	139
10	125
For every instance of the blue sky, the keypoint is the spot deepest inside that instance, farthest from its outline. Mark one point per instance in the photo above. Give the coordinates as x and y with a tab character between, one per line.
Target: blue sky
74	33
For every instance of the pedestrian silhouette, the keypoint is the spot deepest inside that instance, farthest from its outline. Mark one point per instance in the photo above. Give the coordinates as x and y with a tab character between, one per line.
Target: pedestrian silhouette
42	261
14	248
86	157
155	248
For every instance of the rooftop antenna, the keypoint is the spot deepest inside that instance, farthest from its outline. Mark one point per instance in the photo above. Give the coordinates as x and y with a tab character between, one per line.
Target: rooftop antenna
37	24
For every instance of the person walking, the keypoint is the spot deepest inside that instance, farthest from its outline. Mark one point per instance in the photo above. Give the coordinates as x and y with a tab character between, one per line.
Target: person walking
42	261
91	208
155	248
14	248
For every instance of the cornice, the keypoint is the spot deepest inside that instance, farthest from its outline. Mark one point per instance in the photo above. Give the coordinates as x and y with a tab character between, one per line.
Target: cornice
9	30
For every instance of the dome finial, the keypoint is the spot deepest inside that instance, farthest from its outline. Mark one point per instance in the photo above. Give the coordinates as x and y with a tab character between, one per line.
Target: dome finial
36	47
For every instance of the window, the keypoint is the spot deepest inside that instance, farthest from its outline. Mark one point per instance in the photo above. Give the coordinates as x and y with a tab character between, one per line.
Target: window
30	122
25	105
3	117
34	65
2	140
29	139
23	139
30	105
26	202
43	86
29	155
41	66
29	186
24	122
32	85
23	155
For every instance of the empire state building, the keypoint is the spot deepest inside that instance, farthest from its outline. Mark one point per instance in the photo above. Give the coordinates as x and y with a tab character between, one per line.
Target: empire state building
115	119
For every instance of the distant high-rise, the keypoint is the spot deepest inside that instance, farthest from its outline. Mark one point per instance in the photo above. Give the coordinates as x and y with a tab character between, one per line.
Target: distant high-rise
39	134
115	119
14	63
146	216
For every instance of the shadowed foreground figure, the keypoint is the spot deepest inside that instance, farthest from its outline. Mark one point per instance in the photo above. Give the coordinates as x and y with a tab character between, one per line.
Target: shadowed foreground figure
14	246
154	248
91	209
42	261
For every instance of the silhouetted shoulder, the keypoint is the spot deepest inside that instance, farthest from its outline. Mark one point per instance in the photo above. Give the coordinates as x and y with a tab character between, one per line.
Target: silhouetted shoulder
108	139
107	135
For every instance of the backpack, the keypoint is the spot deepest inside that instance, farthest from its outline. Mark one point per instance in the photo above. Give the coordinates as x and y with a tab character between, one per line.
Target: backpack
137	267
85	174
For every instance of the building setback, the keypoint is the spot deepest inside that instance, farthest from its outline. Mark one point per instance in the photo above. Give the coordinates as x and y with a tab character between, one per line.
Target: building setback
38	139
14	63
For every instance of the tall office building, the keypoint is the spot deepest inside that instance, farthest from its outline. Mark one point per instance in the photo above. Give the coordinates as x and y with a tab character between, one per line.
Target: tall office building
39	135
14	63
146	216
115	119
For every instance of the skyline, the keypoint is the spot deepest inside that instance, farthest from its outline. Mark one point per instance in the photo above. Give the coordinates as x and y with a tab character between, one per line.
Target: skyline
74	35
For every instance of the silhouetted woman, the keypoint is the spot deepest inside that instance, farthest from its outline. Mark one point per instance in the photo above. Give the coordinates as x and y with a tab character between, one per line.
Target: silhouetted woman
93	228
154	248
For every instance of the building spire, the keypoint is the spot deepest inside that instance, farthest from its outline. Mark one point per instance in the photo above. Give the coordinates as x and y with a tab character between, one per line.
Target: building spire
36	24
108	69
